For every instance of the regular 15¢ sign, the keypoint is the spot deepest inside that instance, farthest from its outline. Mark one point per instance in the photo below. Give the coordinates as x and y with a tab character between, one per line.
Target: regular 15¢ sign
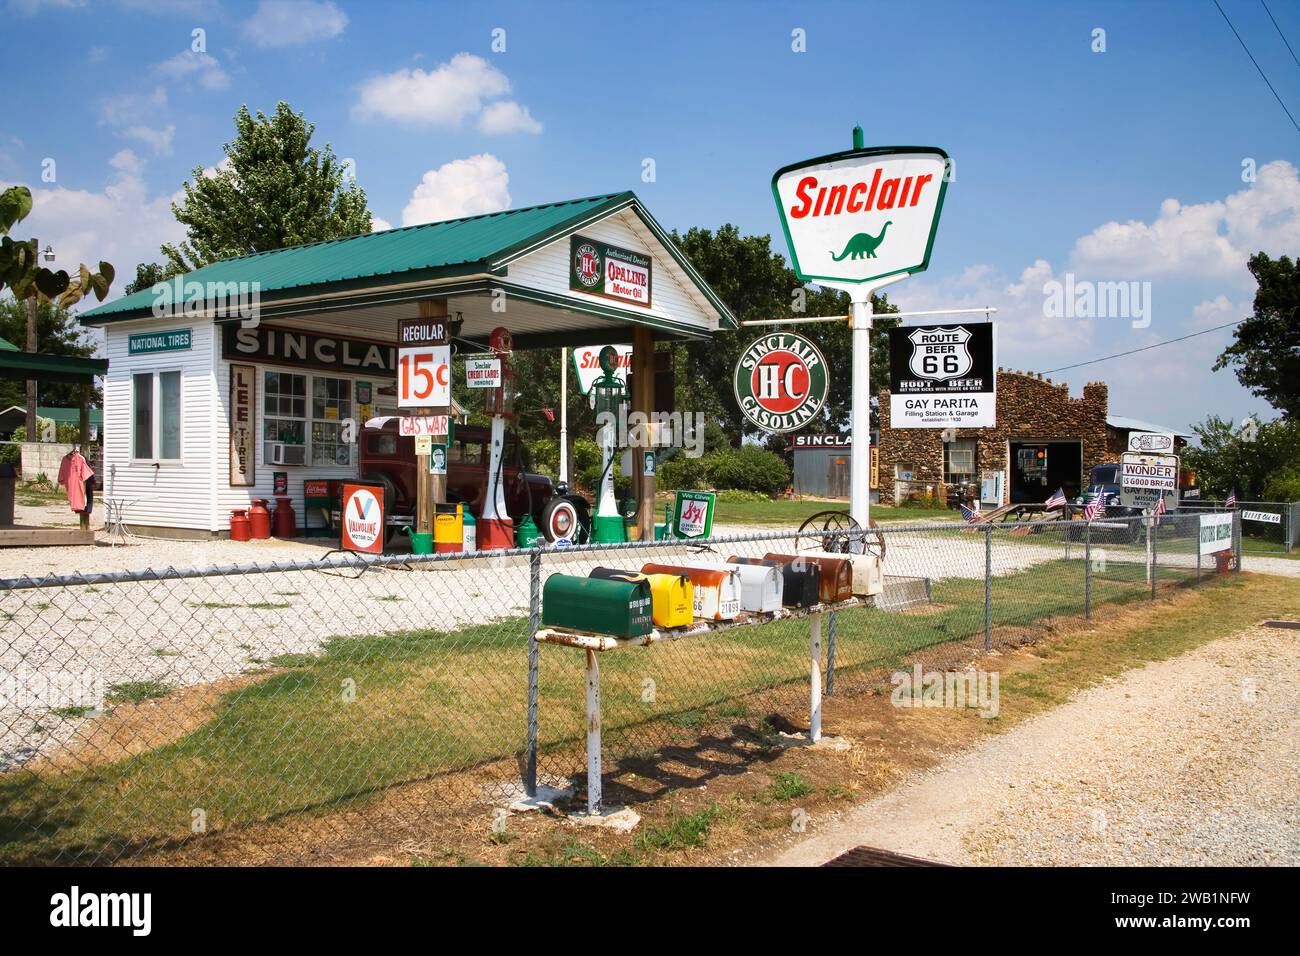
423	364
781	382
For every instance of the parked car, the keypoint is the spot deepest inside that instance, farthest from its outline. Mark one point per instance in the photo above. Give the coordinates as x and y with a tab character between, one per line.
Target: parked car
388	459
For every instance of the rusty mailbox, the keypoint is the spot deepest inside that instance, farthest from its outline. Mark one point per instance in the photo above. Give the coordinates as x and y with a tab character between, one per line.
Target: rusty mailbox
835	574
760	586
717	592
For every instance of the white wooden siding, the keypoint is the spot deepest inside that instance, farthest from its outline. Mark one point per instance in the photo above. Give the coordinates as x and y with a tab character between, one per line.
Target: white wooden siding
672	295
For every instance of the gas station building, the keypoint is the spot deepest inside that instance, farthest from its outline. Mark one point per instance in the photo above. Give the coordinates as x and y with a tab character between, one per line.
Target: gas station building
320	350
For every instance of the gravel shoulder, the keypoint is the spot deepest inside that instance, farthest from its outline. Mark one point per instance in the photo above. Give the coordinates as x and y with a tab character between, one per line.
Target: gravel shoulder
1189	761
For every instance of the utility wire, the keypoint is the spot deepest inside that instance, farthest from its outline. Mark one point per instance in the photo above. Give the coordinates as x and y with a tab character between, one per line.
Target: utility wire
1257	66
1279	32
1145	348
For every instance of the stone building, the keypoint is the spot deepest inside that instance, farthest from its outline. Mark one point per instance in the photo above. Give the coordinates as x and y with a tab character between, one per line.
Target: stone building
1044	439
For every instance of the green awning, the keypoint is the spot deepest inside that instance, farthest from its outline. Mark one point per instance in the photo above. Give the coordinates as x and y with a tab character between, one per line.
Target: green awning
16	364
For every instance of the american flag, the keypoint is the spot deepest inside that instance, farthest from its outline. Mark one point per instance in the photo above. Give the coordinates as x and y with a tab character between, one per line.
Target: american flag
1095	508
1057	500
969	514
1160	506
1232	499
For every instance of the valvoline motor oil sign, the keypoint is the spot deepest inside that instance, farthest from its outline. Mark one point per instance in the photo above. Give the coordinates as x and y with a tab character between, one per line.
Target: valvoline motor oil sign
864	214
362	527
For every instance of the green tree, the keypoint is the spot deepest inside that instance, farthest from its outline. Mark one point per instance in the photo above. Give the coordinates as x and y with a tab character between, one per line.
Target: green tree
148	275
57	333
756	283
1266	351
1228	458
275	190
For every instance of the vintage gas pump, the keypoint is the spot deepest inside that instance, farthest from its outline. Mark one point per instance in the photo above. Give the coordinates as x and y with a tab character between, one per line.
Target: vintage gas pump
608	396
495	529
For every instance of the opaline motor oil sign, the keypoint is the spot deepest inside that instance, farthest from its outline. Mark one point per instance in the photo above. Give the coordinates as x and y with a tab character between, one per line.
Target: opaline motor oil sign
781	382
598	268
942	376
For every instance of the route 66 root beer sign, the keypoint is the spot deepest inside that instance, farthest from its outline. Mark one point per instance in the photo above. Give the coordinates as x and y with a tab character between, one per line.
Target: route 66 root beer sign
864	214
781	382
942	376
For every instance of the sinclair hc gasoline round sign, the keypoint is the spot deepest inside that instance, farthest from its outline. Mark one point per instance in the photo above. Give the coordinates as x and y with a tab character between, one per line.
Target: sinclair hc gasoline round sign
781	382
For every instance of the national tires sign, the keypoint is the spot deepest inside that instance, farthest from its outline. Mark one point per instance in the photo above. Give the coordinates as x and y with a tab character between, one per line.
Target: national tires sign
864	214
943	376
598	268
781	382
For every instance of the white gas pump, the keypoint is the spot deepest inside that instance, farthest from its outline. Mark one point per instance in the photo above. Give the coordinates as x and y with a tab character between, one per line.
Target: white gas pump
494	527
608	395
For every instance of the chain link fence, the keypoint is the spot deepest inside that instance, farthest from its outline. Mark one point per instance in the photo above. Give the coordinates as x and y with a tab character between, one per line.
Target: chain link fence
145	715
1267	527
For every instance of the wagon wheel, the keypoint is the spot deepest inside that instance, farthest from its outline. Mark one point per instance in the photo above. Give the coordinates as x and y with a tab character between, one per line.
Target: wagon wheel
838	537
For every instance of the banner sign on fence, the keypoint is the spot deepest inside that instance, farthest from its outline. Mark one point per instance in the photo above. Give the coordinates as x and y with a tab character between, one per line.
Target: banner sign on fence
943	376
1216	532
1268	517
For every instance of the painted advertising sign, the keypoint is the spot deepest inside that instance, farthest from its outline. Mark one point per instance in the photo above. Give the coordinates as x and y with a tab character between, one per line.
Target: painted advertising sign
1158	472
483	372
435	425
423	364
330	353
362	524
598	268
243	431
943	376
1151	443
781	382
693	514
172	340
1267	517
864	214
586	364
1216	532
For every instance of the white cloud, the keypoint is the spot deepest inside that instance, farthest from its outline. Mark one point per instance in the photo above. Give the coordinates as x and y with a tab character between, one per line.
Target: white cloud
379	225
444	96
279	23
1201	240
1220	310
159	140
507	116
29	8
121	224
462	187
201	66
131	108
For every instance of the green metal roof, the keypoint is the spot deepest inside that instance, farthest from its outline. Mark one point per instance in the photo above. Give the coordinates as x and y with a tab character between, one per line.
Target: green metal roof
470	246
7	346
50	368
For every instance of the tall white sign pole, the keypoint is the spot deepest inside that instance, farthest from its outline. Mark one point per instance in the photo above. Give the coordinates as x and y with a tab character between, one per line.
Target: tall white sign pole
564	416
860	460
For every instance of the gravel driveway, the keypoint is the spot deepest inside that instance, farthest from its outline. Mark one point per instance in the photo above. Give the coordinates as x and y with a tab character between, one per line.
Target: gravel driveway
1191	761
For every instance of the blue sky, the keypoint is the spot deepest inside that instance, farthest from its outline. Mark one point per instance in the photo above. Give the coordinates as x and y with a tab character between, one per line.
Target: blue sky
1122	165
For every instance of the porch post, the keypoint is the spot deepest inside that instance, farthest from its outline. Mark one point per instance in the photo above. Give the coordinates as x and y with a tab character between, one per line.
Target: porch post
643	400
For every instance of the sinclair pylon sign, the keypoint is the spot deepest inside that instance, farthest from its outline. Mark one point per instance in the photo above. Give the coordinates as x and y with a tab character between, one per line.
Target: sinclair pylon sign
864	214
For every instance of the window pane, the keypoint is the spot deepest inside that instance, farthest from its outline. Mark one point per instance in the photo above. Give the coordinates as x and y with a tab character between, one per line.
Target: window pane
142	442
169	401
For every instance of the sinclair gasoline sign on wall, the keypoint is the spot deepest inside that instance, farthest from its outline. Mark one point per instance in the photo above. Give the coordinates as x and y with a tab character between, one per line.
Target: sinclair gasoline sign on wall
942	376
598	268
781	382
863	214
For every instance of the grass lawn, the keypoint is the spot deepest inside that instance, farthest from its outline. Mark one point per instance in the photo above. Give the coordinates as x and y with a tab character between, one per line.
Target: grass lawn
791	513
1266	549
375	711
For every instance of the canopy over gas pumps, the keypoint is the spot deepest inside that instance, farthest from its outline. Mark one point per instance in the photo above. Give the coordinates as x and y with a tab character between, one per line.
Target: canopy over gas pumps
581	272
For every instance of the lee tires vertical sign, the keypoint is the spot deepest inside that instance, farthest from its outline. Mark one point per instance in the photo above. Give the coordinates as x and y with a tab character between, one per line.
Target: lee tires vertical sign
243	433
423	364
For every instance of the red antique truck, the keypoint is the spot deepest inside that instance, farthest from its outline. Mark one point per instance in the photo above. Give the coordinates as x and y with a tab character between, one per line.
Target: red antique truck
388	459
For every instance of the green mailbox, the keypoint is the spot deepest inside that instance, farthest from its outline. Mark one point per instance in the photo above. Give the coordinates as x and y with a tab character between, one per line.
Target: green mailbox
598	605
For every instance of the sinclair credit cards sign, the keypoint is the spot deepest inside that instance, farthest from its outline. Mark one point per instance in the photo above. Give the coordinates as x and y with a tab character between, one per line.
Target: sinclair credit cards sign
598	268
864	214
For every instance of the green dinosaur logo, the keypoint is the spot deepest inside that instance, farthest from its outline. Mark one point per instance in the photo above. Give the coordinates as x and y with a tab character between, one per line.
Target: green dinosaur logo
863	245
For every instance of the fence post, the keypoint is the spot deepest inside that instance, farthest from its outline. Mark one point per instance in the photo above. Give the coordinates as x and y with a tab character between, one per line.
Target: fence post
830	656
1087	570
1198	548
534	651
1237	544
988	587
1153	525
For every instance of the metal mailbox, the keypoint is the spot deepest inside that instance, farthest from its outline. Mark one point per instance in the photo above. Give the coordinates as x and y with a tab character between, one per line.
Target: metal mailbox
867	576
800	585
835	574
717	592
760	586
672	595
597	605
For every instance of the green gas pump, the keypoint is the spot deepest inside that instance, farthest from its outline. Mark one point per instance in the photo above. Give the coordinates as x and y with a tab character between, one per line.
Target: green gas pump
608	396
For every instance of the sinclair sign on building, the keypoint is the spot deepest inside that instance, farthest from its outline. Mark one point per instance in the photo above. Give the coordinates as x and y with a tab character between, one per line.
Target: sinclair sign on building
863	215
